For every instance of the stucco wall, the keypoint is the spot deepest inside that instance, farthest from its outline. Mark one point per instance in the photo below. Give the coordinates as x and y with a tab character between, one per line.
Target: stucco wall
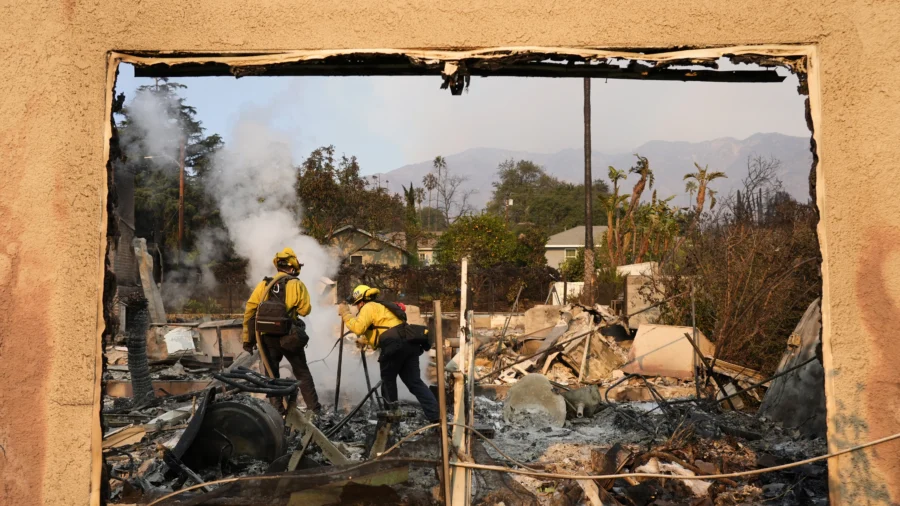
53	90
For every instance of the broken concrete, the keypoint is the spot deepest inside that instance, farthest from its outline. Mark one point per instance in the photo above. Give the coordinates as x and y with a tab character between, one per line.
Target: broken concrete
797	399
151	291
601	361
662	350
640	294
541	317
532	402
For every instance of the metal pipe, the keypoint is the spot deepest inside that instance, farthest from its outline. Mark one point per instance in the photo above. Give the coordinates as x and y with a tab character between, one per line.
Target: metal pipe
333	430
337	383
362	355
442	401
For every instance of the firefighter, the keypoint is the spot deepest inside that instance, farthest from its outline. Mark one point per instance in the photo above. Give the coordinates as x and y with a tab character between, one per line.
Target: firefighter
377	324
273	311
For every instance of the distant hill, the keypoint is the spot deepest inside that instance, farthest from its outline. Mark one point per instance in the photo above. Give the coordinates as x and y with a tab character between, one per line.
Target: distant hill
670	161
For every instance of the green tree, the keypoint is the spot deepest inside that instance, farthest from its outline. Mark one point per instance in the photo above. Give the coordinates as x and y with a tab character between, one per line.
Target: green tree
484	238
539	199
703	177
531	242
333	194
152	129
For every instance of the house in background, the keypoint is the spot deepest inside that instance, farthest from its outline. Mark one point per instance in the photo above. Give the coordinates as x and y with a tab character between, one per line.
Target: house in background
426	247
565	244
360	247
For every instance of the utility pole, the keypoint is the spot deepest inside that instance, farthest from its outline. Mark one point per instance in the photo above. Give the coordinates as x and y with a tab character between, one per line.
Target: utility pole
588	291
181	200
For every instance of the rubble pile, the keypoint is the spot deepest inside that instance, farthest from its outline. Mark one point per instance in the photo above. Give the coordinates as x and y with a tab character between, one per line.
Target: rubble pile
645	400
578	393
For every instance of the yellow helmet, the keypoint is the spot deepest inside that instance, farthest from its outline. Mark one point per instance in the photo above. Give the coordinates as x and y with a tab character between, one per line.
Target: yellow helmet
287	256
363	292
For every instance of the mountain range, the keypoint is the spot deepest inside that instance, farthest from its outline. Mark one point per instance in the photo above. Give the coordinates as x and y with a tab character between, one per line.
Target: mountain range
670	161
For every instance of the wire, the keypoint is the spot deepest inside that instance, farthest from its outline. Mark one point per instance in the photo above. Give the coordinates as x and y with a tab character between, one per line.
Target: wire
332	348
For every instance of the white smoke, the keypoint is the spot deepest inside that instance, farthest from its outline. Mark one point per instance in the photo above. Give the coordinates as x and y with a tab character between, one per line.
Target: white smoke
156	131
253	181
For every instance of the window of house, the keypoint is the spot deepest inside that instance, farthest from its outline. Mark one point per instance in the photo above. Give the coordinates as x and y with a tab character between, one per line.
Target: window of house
356	260
570	253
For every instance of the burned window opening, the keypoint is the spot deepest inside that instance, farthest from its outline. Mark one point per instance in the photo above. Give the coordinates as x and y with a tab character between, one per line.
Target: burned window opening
458	80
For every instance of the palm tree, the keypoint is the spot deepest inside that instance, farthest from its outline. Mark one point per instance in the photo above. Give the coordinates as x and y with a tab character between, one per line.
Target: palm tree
690	187
430	182
642	169
616	175
612	204
703	177
612	213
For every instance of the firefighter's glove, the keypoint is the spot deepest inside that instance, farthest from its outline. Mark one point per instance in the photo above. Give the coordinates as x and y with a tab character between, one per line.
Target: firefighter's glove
248	347
343	310
361	343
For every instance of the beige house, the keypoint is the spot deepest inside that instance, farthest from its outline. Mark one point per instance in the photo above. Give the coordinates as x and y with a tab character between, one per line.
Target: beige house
565	244
426	248
360	247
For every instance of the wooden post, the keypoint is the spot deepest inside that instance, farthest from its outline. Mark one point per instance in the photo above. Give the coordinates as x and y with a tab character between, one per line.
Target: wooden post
459	477
442	399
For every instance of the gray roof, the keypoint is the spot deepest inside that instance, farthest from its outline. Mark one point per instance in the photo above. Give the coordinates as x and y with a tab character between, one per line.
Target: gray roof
574	237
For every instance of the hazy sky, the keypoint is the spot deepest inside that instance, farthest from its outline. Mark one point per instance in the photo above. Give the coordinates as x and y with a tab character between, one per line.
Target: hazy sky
388	122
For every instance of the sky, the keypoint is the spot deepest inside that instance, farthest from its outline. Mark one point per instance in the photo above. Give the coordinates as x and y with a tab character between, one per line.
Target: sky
388	122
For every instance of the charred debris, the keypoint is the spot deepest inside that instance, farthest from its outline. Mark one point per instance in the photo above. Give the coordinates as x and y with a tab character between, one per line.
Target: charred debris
558	390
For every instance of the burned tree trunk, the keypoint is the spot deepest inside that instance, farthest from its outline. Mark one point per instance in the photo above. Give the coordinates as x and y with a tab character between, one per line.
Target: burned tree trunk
138	366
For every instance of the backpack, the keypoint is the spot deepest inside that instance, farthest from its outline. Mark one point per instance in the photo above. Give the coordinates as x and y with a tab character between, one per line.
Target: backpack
413	334
272	315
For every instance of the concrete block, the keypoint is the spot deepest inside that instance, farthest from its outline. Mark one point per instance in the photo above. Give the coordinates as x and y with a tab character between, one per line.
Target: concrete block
541	317
414	315
662	350
532	403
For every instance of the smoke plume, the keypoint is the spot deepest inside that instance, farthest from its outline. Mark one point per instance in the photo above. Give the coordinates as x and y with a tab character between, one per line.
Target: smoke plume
253	180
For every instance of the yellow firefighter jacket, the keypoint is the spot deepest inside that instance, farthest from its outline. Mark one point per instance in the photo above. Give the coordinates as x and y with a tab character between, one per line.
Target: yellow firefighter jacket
371	315
296	299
